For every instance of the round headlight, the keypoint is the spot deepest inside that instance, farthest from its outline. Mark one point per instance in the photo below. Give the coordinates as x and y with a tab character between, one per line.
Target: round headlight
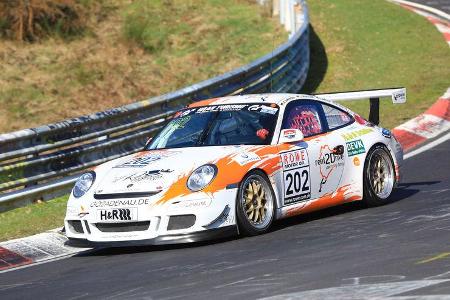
83	184
201	177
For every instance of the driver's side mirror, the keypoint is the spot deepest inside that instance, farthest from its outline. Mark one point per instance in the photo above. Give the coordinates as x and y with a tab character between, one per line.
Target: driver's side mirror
291	136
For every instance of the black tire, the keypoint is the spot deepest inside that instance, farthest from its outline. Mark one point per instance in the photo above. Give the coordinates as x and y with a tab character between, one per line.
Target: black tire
249	201
379	176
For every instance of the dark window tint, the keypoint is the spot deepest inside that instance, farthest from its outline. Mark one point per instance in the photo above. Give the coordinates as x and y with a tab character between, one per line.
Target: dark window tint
335	117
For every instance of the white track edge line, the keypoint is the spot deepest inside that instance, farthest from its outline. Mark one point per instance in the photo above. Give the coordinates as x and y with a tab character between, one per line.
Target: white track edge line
427	146
425	8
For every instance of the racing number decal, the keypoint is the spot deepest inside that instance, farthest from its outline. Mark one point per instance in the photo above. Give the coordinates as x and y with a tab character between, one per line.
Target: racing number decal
296	176
297	182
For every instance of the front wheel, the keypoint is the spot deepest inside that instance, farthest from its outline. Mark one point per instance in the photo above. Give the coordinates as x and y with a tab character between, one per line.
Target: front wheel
255	204
379	176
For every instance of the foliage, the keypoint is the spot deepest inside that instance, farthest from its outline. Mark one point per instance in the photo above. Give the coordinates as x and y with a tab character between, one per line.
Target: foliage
30	20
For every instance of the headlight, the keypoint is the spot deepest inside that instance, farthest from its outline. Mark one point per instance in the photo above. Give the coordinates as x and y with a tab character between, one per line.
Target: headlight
83	184
201	177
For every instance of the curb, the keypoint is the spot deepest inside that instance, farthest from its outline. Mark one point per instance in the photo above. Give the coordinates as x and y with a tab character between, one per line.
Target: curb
436	120
428	125
50	245
38	248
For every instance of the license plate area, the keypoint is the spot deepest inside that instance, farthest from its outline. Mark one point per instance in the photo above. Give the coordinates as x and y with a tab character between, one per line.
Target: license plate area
117	215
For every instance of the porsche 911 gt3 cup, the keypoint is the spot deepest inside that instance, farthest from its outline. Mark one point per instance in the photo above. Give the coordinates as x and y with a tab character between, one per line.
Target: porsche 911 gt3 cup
234	165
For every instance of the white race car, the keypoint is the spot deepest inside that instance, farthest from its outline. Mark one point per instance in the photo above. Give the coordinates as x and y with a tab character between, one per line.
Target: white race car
235	165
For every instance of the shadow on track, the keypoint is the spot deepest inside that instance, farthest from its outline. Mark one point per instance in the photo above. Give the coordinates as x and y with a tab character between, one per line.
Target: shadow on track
404	191
318	63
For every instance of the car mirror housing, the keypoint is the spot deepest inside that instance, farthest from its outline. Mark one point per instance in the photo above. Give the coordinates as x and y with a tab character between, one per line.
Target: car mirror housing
291	136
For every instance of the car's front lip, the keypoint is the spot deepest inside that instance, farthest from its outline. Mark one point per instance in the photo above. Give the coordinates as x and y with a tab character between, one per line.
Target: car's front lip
211	234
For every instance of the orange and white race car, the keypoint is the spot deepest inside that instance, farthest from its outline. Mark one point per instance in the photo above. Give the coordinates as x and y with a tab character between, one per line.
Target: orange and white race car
235	165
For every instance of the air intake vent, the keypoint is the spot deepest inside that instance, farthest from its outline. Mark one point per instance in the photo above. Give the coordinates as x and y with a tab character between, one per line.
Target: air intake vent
76	226
123	227
181	222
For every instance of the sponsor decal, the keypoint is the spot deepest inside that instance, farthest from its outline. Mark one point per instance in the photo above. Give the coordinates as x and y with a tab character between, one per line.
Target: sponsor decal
355	147
139	162
229	107
289	133
83	212
117	214
294	159
386	133
214	108
296	177
356	161
327	162
399	96
119	202
142	176
357	133
180	122
246	157
191	203
72	211
143	161
263	108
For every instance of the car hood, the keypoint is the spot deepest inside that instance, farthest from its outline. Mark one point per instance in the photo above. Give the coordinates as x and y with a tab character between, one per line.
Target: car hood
155	170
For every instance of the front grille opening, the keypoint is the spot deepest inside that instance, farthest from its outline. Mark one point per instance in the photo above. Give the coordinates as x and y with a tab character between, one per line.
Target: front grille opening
75	226
181	222
123	227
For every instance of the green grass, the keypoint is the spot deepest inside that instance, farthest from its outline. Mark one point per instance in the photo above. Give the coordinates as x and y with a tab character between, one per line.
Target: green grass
376	44
133	50
32	219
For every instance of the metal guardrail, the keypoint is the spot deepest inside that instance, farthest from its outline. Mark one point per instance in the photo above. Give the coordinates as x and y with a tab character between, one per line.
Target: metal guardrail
43	162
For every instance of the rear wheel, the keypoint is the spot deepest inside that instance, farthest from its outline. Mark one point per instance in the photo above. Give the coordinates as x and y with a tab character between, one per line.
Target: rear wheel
255	204
379	176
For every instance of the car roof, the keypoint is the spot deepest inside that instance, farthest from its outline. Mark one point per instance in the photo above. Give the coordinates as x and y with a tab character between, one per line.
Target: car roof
277	98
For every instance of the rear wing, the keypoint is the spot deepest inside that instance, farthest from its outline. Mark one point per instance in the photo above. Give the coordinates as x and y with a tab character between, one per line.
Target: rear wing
398	96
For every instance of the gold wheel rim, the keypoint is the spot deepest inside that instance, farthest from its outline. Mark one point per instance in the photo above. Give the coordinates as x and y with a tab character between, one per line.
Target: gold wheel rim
255	202
381	175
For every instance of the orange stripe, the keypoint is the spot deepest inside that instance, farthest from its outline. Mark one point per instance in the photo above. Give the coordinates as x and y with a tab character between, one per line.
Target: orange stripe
202	103
327	200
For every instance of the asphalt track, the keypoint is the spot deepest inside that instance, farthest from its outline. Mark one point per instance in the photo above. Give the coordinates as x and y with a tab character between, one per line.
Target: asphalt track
443	5
399	249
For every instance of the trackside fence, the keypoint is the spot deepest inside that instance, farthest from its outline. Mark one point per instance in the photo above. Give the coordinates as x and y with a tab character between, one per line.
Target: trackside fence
44	162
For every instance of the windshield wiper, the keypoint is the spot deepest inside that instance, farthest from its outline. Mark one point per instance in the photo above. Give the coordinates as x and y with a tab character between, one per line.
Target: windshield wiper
205	133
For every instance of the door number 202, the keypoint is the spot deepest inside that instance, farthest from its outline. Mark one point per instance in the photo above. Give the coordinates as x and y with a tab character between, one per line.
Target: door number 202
296	182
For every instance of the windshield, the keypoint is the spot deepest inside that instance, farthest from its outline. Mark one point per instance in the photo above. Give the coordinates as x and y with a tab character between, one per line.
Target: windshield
233	124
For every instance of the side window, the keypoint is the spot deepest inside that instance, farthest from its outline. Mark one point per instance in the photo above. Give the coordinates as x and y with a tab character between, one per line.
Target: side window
335	117
303	115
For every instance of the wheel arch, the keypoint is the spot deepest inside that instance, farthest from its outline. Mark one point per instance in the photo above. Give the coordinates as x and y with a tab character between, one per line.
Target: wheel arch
391	152
272	182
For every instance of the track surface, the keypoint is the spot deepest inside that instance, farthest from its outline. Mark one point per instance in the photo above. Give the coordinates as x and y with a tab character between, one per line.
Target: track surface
401	247
443	5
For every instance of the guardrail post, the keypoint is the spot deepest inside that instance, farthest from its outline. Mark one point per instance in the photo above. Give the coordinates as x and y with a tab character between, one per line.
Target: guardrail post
276	7
283	11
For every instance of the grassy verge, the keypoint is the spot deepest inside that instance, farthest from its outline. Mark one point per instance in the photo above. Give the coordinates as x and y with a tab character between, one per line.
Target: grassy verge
375	44
131	50
32	219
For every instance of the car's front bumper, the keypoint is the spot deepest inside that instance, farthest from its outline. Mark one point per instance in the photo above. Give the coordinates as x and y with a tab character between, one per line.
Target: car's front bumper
153	223
211	234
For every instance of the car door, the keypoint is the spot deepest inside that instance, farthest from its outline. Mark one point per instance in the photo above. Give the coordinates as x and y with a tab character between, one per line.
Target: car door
313	167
